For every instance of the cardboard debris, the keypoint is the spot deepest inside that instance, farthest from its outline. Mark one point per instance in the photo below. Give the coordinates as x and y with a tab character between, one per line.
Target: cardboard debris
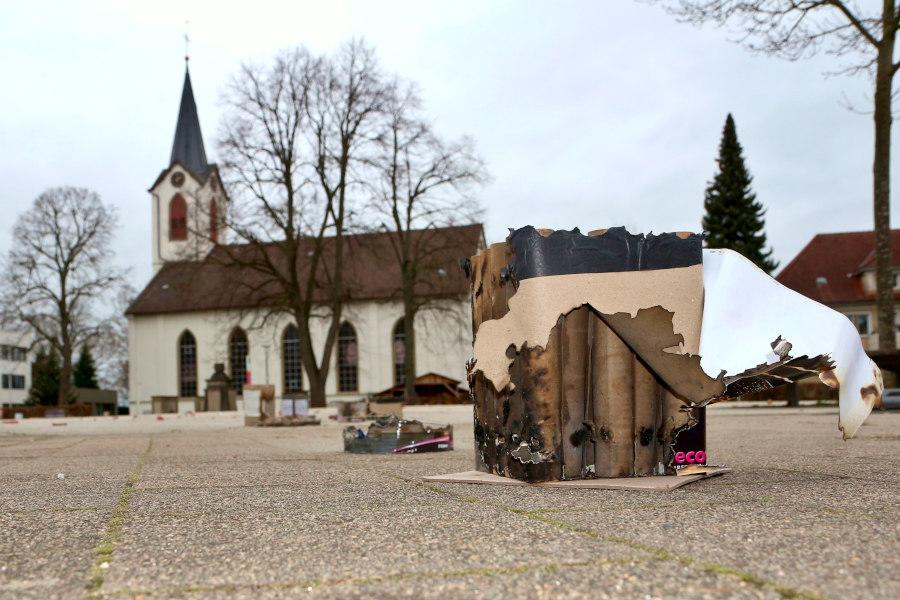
595	355
539	302
657	483
391	435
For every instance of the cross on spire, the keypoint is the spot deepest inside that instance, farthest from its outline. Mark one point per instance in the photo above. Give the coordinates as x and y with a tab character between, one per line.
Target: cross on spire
187	42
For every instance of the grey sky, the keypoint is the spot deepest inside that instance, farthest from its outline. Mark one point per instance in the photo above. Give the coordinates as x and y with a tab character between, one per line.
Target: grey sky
590	114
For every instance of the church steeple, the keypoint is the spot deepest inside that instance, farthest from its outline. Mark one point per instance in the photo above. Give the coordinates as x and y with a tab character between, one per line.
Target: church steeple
188	145
189	201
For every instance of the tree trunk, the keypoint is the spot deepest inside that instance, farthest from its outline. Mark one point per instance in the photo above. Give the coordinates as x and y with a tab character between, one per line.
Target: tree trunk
793	398
881	170
316	390
409	368
65	378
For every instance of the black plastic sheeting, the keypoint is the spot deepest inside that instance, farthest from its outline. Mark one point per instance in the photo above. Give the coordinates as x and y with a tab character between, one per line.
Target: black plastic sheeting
571	252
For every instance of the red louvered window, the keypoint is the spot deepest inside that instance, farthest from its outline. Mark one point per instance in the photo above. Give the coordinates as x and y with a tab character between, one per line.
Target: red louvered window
177	218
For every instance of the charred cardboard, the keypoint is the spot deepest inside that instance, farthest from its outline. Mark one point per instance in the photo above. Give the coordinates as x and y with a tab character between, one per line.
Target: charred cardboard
629	309
536	419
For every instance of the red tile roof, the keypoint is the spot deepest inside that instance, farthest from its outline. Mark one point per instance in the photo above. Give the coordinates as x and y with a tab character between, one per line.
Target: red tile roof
839	258
225	281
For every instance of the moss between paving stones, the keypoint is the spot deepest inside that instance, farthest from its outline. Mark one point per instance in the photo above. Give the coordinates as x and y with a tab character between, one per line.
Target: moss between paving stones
106	547
656	553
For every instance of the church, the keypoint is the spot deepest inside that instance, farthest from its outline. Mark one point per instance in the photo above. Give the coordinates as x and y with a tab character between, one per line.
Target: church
185	321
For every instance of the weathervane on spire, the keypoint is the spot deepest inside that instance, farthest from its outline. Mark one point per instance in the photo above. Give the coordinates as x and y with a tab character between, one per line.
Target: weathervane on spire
187	42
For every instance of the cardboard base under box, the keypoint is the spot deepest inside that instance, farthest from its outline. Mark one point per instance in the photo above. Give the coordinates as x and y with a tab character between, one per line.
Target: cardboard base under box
655	483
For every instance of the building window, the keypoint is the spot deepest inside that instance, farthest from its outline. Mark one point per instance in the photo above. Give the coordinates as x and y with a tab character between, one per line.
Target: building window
398	351
348	359
861	322
177	218
14	353
290	357
13	382
213	221
237	359
187	365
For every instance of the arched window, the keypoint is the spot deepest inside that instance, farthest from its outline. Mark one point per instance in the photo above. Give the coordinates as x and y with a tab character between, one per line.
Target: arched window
398	351
177	218
290	360
348	359
187	365
237	359
213	221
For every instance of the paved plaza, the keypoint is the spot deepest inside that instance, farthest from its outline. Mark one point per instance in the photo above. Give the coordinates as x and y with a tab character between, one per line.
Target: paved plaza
203	507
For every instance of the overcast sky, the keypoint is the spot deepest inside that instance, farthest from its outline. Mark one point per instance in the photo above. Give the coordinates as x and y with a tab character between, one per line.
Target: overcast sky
589	114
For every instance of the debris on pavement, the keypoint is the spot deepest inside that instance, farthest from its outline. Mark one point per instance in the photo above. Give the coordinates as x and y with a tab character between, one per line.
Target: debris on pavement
391	435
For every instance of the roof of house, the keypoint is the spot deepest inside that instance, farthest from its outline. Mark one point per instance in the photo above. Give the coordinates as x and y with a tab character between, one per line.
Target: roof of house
230	277
425	384
828	269
187	148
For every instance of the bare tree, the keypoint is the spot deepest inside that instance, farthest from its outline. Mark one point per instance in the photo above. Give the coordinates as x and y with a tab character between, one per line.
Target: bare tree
794	29
420	186
291	138
59	266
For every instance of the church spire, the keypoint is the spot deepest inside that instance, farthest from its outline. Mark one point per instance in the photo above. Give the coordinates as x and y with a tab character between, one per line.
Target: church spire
188	145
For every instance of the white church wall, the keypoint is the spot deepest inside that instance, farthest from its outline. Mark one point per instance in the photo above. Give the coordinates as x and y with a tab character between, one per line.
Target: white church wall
443	341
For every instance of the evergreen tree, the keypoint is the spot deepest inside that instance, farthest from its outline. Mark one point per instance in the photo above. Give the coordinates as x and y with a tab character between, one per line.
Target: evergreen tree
734	219
44	378
84	375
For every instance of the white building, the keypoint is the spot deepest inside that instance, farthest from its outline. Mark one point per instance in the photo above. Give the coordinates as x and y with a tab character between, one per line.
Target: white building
15	367
191	314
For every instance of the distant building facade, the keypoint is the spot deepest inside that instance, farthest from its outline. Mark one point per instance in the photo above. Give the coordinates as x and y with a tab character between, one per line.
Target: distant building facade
193	314
15	367
838	270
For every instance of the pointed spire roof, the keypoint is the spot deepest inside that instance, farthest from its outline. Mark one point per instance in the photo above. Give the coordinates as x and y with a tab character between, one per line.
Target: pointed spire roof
187	148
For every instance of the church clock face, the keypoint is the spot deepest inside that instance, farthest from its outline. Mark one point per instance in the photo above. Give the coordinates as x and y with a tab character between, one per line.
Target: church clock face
177	179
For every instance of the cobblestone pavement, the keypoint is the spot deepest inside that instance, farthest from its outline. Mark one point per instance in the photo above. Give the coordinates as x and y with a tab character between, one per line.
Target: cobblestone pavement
226	511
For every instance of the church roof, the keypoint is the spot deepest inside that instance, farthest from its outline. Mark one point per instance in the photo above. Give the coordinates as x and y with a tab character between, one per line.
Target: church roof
225	281
187	148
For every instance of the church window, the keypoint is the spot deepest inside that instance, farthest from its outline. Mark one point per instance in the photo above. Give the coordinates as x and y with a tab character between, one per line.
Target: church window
290	358
177	218
187	365
398	351
348	359
237	359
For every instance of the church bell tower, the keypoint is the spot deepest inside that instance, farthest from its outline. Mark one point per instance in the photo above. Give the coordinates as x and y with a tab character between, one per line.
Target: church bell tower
188	200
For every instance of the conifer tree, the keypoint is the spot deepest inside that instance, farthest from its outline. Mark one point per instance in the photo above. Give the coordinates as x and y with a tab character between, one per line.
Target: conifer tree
734	218
44	378
85	373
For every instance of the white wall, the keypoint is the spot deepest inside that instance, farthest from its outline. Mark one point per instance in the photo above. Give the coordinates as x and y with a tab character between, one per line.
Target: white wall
444	344
12	367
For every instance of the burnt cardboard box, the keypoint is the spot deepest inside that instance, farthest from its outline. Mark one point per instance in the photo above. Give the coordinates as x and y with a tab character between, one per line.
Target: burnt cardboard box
570	385
587	354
